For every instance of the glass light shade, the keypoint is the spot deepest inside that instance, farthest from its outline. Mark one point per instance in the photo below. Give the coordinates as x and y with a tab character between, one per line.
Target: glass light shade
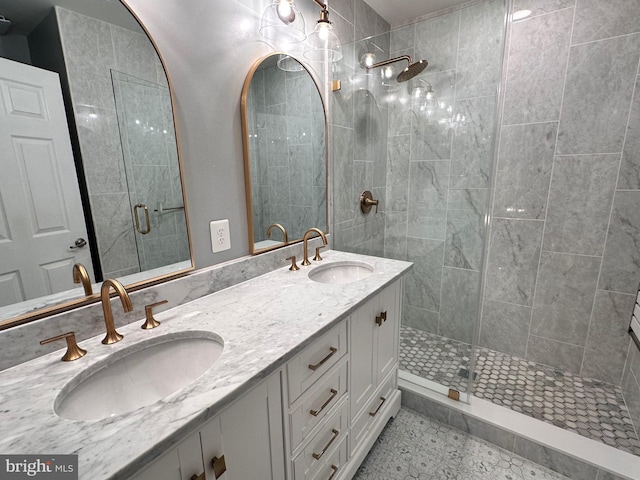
289	64
282	21
323	43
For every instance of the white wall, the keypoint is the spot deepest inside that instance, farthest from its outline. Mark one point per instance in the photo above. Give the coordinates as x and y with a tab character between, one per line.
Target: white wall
208	48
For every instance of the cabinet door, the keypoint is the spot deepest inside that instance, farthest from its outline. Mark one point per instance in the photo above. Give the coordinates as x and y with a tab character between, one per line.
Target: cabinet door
387	332
251	436
167	467
362	341
190	454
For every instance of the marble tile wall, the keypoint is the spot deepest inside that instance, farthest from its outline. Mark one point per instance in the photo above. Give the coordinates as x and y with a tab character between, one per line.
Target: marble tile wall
359	123
94	108
563	262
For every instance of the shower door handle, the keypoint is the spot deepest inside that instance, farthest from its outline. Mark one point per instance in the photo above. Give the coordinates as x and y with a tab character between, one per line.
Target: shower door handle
147	229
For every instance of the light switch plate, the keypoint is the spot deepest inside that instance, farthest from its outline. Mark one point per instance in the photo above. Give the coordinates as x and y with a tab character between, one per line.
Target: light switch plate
220	238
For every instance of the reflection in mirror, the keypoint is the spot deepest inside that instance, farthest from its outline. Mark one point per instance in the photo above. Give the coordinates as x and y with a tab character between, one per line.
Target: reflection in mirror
285	137
91	172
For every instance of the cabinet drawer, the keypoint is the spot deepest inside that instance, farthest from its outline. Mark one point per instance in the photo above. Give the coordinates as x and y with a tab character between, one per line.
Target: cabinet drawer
315	360
330	469
319	401
322	445
369	415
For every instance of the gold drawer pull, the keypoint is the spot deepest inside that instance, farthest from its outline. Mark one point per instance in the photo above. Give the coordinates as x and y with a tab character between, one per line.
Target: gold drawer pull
315	413
317	456
321	362
219	466
335	470
198	477
375	412
381	318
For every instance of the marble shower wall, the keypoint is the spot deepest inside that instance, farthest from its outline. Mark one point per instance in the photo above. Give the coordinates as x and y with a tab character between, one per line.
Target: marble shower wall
93	101
564	262
440	151
359	124
287	145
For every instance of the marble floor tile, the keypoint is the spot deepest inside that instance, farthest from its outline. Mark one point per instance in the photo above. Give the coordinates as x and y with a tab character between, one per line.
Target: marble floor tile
413	447
582	405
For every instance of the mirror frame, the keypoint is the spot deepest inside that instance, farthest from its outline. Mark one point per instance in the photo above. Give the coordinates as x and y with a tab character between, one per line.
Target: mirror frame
66	306
247	152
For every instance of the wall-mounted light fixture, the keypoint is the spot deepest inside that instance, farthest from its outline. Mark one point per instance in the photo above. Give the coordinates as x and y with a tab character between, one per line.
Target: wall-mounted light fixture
282	21
323	42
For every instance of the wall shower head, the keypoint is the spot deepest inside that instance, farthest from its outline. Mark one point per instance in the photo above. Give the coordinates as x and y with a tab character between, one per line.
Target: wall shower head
408	73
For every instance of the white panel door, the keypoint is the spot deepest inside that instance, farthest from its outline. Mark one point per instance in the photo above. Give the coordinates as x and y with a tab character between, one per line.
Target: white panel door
41	212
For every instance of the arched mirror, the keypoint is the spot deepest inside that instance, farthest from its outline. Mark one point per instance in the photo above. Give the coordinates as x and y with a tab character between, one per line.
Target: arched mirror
285	152
90	165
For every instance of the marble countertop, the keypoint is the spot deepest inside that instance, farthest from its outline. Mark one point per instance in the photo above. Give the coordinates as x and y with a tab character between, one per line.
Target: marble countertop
264	322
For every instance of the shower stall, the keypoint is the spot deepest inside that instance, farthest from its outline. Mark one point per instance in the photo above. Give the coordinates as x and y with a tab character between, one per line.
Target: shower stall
507	172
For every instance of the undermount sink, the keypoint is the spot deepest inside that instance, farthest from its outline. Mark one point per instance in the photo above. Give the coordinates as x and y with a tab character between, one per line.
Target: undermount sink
149	372
341	272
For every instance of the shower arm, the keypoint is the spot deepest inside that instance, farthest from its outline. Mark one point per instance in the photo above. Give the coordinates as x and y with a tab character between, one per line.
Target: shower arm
390	61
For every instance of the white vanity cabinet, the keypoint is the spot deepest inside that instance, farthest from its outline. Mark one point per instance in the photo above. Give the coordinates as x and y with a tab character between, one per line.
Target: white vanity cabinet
316	418
374	342
246	438
332	423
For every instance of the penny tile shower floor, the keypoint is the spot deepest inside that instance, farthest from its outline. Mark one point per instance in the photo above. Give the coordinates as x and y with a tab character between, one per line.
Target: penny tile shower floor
588	407
413	447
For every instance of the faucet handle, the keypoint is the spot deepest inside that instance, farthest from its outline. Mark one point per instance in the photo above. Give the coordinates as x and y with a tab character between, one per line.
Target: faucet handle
293	266
151	322
367	201
73	352
317	257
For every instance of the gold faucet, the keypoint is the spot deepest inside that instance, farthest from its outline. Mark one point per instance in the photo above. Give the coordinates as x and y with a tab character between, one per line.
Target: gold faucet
80	275
305	241
277	225
112	335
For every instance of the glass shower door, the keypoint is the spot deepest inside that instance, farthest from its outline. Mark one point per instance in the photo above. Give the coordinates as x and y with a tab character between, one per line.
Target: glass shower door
437	133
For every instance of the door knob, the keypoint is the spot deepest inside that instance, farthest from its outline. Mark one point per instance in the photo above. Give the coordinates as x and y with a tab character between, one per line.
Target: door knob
79	243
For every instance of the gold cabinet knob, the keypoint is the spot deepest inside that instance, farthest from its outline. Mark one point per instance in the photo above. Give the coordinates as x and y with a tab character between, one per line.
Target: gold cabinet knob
151	322
73	352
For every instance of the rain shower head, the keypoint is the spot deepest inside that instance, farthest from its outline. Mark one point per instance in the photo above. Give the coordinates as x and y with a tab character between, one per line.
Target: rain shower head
412	70
408	73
